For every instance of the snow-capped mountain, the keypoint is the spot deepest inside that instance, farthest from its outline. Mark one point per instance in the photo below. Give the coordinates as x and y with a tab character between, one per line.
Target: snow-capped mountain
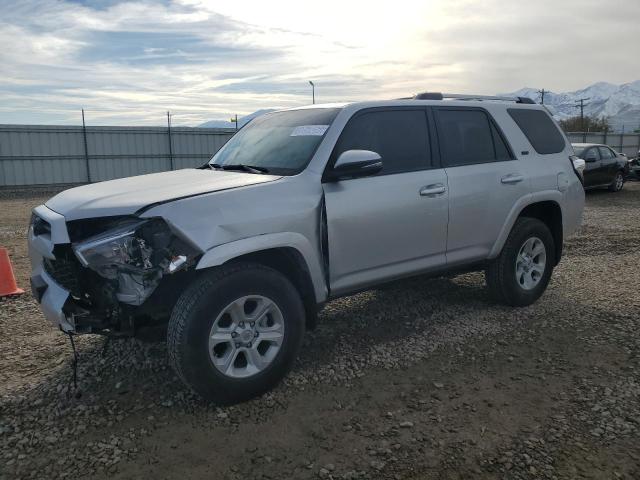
241	120
621	103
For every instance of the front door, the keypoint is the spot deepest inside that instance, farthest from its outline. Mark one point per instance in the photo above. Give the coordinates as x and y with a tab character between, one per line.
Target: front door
394	223
593	168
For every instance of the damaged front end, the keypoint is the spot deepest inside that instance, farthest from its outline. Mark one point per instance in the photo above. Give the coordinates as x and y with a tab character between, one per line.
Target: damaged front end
113	269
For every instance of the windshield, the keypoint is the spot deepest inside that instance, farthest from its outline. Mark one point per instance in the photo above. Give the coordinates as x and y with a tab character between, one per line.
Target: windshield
281	143
579	151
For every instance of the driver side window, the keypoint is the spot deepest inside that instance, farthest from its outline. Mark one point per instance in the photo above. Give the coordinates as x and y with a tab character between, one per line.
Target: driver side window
400	137
592	155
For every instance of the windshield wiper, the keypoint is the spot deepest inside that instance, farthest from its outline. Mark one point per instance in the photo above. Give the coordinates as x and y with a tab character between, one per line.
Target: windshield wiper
240	166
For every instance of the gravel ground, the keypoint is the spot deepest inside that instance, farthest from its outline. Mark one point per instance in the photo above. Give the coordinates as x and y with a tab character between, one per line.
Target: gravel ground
426	378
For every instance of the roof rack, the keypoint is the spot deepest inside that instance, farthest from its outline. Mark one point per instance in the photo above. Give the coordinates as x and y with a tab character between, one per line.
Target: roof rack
461	96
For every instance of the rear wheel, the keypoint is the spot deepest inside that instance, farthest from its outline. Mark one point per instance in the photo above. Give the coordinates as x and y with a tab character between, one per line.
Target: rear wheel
235	332
522	271
618	182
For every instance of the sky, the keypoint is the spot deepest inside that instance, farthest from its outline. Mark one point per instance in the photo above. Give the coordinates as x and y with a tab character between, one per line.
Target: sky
129	62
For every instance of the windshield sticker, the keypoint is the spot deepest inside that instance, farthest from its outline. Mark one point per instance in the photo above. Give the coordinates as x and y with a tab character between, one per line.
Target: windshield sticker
309	131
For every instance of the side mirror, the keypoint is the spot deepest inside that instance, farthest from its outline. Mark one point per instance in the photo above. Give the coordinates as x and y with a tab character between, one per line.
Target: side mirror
590	159
355	164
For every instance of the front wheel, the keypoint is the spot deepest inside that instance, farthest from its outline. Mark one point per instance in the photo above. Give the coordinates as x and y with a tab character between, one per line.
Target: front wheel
618	183
235	333
521	273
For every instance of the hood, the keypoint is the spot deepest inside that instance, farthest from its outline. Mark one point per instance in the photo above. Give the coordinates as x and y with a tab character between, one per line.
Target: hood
125	196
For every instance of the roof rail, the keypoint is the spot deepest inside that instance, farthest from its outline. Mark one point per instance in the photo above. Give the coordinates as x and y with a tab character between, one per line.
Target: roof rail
461	96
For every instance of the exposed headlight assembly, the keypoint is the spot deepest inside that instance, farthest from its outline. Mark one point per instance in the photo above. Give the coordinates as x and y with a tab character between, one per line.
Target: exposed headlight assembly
118	247
137	254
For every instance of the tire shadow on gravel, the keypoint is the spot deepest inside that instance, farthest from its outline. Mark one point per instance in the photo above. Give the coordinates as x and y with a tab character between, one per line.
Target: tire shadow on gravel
397	310
133	370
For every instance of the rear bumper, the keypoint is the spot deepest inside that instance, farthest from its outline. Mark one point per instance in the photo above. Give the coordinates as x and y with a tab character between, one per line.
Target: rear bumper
51	296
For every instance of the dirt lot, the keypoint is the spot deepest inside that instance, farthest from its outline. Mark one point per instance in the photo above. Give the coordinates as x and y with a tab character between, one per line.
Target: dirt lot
426	378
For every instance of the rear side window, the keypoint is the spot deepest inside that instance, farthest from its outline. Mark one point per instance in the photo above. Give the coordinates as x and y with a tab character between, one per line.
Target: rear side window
468	137
400	137
539	129
605	153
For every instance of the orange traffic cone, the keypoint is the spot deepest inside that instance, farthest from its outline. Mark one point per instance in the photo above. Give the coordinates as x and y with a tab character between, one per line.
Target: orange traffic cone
7	280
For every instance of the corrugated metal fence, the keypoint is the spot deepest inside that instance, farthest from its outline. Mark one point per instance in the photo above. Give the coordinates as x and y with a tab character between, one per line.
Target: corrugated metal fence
627	143
47	155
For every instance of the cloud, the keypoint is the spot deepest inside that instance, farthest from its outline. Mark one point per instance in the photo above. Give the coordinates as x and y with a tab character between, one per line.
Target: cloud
128	62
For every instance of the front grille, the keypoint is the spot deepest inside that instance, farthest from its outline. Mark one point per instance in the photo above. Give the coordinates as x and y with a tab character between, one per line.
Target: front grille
65	273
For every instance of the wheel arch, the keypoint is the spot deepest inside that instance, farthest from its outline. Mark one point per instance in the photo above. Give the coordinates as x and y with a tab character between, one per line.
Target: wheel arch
545	208
290	254
548	212
289	262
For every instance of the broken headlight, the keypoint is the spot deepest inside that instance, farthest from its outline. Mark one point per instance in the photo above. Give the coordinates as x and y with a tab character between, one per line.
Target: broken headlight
114	248
136	254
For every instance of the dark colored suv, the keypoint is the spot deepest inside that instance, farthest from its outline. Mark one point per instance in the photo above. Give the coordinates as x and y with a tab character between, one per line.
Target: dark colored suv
604	167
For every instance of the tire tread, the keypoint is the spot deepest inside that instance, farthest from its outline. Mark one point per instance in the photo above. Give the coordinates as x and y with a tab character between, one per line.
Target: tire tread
176	329
495	273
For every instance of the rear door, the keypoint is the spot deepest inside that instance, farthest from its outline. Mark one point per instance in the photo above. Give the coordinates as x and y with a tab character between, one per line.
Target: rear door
485	180
609	162
388	225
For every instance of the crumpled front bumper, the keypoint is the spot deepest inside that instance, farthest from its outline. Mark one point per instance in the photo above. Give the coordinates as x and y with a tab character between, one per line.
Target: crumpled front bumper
47	292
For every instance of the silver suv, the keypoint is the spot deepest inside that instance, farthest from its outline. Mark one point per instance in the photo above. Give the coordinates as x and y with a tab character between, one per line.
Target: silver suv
302	206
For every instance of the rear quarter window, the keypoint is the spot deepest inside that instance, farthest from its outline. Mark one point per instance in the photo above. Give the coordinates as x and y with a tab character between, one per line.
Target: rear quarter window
539	129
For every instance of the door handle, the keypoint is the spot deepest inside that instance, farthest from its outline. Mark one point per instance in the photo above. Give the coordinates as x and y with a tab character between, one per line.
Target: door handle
432	190
512	178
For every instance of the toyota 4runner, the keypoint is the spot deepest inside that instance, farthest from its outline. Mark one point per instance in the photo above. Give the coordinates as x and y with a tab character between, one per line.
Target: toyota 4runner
302	206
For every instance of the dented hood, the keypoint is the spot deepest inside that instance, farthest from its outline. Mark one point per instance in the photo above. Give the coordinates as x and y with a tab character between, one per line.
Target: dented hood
125	196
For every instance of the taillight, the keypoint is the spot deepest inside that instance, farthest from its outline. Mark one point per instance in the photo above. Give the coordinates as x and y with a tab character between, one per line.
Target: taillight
578	166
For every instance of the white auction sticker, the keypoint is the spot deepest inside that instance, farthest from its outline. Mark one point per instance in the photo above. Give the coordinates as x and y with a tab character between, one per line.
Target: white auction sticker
309	131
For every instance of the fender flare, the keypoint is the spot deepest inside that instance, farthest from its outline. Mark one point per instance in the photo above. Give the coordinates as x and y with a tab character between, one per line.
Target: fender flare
221	254
529	199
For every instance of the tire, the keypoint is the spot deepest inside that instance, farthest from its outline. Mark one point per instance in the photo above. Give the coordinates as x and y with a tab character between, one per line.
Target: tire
618	182
501	277
199	313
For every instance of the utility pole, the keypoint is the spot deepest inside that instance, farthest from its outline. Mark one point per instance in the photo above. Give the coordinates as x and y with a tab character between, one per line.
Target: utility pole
170	142
313	92
580	103
542	92
86	148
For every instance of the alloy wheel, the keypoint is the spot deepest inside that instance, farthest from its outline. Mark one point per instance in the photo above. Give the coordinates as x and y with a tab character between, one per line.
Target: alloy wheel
619	181
246	336
530	263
